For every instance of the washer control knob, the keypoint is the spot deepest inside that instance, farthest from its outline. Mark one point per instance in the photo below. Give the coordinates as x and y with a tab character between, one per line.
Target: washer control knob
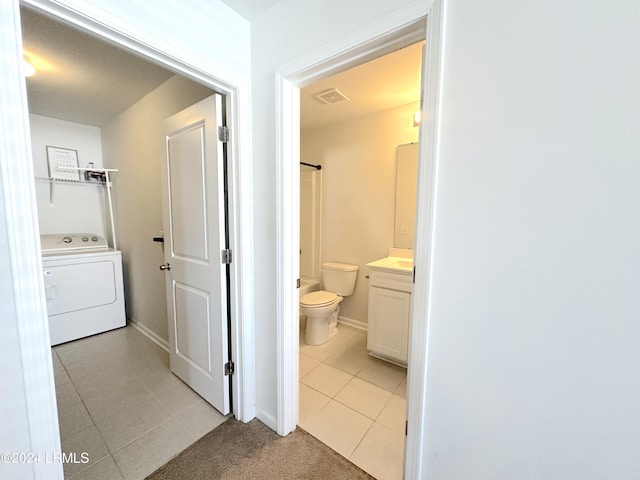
66	239
94	239
85	239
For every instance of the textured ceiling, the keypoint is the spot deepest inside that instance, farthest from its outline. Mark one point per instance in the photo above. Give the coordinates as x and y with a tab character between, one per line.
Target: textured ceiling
386	82
80	78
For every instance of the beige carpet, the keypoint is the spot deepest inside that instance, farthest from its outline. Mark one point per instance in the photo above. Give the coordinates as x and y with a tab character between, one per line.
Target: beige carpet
237	450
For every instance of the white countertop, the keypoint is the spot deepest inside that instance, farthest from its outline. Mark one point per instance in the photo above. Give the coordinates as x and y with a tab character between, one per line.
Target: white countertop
394	264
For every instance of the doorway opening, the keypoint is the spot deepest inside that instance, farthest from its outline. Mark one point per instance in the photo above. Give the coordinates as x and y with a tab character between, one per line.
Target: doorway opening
371	42
189	83
358	141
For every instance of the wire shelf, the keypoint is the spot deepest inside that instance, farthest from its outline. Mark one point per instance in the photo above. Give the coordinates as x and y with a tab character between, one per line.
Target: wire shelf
86	182
72	182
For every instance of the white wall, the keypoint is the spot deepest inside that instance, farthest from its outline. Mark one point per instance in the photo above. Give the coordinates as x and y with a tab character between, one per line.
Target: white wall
533	369
358	159
132	142
283	34
75	208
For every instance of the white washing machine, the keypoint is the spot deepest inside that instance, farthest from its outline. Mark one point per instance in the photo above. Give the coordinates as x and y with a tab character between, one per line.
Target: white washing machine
83	285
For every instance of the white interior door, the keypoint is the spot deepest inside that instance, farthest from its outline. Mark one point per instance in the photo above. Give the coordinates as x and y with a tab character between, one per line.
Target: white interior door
194	223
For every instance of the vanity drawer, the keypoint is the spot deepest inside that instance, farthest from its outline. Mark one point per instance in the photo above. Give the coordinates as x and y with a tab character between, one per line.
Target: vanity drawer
393	281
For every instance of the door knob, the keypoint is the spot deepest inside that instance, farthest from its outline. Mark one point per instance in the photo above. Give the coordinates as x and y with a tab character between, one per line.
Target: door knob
164	267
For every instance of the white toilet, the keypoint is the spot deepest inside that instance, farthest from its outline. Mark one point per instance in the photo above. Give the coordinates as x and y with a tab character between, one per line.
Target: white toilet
322	307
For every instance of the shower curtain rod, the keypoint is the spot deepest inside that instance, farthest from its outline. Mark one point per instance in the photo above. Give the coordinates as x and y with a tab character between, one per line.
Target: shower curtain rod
317	167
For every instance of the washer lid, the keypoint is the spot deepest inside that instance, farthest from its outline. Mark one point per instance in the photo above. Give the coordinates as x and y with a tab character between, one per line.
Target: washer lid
319	298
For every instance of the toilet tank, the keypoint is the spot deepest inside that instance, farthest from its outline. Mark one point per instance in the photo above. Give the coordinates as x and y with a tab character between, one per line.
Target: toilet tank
339	278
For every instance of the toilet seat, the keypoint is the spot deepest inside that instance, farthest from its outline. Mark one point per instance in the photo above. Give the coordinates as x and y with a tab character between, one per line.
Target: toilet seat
318	298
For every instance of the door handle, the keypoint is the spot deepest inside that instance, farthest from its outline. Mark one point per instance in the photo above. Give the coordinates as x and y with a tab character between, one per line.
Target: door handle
164	267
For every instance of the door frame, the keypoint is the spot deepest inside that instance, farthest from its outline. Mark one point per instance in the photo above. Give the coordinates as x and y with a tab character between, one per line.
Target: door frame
19	239
417	21
236	106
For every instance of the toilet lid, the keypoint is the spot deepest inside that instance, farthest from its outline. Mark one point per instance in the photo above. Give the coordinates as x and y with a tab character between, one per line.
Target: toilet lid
319	298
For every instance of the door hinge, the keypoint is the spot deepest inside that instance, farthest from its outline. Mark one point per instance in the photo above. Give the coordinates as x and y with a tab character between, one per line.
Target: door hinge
229	368
406	428
226	256
298	283
414	274
223	134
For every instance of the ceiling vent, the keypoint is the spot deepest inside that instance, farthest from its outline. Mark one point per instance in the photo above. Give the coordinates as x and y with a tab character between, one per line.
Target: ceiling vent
333	95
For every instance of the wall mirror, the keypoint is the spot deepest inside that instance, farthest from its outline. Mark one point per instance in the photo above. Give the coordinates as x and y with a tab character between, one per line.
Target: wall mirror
406	189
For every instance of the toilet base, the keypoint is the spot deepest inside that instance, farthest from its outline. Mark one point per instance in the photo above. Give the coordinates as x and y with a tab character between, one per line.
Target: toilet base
317	333
322	323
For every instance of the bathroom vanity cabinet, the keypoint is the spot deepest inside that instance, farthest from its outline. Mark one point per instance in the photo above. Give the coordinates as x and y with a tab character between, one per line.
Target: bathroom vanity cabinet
389	312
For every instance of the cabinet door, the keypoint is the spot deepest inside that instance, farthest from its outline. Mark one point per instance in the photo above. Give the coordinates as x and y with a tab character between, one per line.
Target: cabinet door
389	323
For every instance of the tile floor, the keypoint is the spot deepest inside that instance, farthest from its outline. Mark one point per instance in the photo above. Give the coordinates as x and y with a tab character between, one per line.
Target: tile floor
118	401
354	403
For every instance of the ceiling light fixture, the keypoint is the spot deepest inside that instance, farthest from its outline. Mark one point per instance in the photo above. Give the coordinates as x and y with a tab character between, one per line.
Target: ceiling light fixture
27	69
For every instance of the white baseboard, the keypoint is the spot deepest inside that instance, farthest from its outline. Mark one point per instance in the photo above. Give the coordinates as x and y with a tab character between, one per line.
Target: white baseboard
161	342
269	420
353	323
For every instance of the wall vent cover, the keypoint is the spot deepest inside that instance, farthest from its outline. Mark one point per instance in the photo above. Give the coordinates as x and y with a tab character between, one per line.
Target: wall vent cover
333	95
